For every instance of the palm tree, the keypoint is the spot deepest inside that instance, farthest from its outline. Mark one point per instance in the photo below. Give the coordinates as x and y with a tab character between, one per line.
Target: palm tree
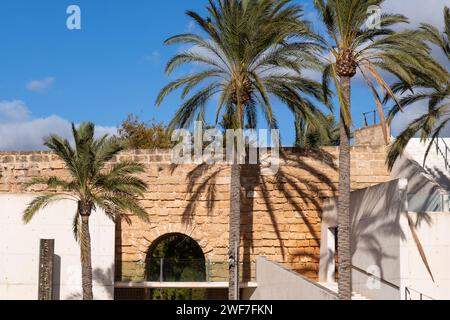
311	138
250	51
429	88
355	45
92	185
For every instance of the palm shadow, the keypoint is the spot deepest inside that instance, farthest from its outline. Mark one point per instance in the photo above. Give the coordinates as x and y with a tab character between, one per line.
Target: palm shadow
376	217
441	177
100	277
302	194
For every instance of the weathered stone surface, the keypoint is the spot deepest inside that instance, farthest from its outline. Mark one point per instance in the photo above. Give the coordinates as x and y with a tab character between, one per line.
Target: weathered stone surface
280	221
46	256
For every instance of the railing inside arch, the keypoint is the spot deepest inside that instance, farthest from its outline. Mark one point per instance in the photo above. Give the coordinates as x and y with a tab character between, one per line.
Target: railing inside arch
177	270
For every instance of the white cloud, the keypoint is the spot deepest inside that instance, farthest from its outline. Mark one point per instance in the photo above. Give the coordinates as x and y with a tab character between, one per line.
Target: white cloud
13	111
410	114
190	26
418	11
20	132
40	85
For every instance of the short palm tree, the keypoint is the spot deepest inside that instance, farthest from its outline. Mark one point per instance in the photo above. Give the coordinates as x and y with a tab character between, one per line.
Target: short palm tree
309	138
249	52
92	185
354	44
429	88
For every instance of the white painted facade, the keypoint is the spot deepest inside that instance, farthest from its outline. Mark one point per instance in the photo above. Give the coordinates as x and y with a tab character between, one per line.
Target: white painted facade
386	261
19	250
435	163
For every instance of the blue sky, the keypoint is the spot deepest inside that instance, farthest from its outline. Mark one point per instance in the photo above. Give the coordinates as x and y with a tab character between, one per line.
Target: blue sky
114	66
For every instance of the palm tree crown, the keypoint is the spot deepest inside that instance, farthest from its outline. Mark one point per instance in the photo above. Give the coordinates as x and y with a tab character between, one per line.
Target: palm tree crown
250	50
116	191
428	87
92	185
308	138
355	42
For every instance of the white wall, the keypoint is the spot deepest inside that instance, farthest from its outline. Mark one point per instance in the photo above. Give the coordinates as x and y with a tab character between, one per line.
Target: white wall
435	163
19	250
434	234
376	237
382	240
424	192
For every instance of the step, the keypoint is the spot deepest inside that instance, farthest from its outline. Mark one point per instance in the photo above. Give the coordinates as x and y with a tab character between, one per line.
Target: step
333	286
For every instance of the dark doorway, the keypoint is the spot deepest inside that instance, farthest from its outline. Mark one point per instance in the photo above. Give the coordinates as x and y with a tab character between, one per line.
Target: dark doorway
176	258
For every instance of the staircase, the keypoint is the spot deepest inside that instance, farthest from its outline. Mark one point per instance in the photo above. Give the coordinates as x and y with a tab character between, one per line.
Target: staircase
333	286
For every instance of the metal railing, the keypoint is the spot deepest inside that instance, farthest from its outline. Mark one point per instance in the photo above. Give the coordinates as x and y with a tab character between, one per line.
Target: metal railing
422	296
183	270
371	118
408	291
373	276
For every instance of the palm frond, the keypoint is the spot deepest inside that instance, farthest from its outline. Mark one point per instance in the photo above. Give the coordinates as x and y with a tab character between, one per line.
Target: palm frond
38	204
244	47
91	178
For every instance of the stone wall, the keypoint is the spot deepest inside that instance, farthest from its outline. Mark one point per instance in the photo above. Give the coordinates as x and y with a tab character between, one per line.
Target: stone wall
281	215
370	136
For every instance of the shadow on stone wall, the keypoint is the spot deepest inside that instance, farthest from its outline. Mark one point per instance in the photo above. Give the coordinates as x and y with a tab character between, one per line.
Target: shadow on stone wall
202	183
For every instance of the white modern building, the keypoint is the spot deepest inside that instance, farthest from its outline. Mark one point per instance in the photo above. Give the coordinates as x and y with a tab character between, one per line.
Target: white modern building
400	235
19	251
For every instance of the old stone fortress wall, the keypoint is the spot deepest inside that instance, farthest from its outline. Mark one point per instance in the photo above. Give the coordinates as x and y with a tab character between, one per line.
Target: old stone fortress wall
281	214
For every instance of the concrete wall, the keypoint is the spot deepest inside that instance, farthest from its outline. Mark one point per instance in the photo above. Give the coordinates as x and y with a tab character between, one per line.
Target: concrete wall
435	163
19	250
383	245
433	231
278	283
424	192
376	234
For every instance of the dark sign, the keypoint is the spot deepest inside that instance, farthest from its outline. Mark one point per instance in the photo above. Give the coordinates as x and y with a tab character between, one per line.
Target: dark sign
46	253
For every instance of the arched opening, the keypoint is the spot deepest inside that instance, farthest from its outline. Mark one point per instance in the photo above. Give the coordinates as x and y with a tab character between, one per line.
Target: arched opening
176	258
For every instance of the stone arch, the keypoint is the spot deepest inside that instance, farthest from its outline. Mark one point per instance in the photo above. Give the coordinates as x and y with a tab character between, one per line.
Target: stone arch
175	257
185	229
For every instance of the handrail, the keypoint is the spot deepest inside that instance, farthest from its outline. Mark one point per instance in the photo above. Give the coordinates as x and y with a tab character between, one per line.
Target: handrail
421	295
407	289
390	284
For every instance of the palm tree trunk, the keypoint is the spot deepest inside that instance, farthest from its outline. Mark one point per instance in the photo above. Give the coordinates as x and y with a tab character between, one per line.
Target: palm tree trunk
234	235
344	226
235	211
86	263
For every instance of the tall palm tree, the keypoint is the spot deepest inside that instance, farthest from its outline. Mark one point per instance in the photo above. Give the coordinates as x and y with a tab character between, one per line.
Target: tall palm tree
249	52
429	88
356	45
92	185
